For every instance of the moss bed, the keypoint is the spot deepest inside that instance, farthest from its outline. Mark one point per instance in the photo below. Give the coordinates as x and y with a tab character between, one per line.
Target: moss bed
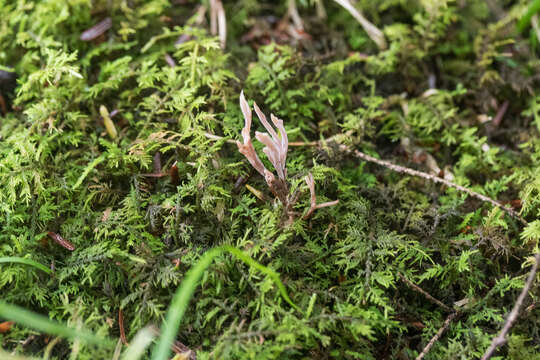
119	172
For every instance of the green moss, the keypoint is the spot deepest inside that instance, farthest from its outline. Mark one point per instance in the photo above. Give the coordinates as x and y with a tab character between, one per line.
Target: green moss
137	231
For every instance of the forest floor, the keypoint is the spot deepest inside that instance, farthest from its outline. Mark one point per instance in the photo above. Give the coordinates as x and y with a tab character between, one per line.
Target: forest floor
151	206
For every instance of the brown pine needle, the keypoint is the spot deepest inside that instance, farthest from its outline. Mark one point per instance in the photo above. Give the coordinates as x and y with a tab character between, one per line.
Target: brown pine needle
121	327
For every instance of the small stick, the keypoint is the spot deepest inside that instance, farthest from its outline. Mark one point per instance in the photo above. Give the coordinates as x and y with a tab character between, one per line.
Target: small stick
169	60
412	172
321	12
218	21
439	333
222	24
535	26
295	16
157	162
425	293
61	241
373	32
501	338
313	199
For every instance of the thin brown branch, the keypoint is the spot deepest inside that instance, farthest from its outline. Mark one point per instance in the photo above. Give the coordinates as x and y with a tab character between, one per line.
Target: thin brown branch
501	338
437	336
3	105
425	293
313	198
222	25
218	22
412	172
321	11
97	30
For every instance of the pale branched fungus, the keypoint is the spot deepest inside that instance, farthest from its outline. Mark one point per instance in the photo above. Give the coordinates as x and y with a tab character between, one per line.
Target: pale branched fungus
276	145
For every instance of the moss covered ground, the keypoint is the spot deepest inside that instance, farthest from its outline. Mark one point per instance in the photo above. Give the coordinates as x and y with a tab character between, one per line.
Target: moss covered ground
120	172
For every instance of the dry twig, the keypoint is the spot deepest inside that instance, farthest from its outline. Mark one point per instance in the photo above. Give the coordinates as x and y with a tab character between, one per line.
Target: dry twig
535	26
412	172
501	338
425	293
314	206
295	16
436	337
373	32
97	30
3	105
500	114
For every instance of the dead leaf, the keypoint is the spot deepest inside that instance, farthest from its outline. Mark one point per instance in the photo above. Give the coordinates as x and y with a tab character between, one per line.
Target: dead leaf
5	326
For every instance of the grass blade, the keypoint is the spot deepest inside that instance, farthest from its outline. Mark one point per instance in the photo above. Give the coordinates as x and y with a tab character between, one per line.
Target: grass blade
265	270
7	356
20	260
186	289
139	344
525	20
39	322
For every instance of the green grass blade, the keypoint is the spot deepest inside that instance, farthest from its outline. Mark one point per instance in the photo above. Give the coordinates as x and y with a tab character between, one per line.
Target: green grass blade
39	322
6	356
267	271
186	289
20	260
179	304
534	8
139	344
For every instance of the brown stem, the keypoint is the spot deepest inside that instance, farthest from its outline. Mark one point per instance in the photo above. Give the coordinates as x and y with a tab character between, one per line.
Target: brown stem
412	172
425	293
501	338
439	333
